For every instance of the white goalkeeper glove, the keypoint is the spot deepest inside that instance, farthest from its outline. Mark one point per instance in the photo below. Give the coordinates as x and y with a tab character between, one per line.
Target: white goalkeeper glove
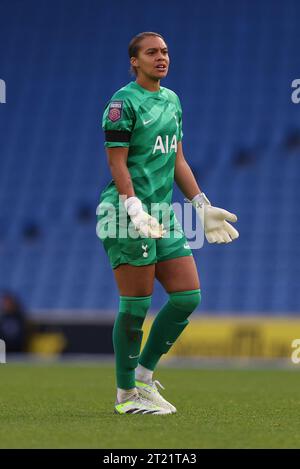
213	219
146	225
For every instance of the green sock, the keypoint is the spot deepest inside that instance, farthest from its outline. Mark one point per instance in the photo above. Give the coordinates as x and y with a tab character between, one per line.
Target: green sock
127	337
168	325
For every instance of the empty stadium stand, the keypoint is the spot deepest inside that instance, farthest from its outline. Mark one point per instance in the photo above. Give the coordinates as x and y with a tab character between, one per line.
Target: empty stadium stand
232	67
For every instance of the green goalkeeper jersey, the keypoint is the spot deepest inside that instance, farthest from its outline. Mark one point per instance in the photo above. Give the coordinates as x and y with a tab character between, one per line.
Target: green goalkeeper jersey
150	125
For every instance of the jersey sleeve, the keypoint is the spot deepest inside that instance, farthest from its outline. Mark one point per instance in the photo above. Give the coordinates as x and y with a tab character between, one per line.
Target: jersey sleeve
118	122
179	112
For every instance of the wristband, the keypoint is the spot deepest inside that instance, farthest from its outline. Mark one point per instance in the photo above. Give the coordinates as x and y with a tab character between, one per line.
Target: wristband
200	199
133	206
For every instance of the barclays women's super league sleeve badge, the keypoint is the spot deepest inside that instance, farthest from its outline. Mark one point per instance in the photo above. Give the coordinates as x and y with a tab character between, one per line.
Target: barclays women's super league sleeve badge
115	110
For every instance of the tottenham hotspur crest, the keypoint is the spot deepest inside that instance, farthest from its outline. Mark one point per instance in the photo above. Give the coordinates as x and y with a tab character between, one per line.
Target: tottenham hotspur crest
145	247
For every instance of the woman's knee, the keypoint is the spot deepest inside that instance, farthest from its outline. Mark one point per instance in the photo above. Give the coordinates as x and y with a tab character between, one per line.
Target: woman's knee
186	300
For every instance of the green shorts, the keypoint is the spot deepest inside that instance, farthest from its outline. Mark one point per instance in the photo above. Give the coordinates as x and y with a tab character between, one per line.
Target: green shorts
143	251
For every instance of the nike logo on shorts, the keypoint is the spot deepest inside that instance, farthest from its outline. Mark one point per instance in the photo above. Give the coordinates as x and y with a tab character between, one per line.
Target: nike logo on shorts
147	122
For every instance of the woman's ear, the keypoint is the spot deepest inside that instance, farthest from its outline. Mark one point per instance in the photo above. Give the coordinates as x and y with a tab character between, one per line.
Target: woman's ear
134	61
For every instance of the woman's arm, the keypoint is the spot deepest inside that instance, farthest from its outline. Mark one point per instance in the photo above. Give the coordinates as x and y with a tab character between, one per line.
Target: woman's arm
216	228
117	161
184	177
145	224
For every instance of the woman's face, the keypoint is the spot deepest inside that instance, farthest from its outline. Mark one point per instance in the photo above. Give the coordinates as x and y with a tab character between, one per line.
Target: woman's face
153	59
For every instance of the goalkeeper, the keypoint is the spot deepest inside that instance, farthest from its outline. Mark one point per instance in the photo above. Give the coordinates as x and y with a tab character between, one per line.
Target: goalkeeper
143	139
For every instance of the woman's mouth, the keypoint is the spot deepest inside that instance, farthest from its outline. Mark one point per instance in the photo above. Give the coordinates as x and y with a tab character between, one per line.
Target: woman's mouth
161	67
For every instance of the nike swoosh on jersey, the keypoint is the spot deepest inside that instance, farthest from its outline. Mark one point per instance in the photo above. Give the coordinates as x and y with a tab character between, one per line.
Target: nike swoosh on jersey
147	122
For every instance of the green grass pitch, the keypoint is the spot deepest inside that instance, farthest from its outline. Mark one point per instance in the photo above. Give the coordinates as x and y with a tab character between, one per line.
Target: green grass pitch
71	406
